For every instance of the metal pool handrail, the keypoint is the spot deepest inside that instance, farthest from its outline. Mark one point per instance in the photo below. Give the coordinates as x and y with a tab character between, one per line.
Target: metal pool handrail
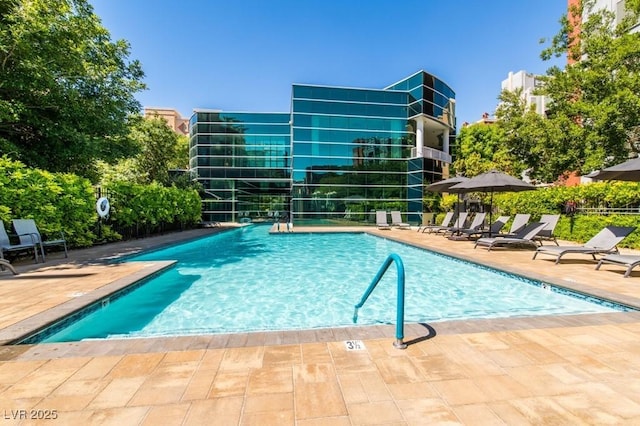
398	344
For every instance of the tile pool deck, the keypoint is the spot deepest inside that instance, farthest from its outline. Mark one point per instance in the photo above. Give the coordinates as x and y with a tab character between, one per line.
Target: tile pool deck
582	369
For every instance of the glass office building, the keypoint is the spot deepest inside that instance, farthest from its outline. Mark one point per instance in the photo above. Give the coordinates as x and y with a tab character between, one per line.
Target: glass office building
243	161
337	157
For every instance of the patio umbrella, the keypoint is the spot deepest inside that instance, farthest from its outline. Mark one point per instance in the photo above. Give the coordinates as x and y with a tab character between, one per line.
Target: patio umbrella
629	170
444	185
493	181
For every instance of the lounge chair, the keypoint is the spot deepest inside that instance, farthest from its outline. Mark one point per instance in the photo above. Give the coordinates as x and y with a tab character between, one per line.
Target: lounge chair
458	223
476	224
604	242
523	237
4	263
628	260
446	222
519	222
396	220
27	230
493	230
547	233
26	244
381	220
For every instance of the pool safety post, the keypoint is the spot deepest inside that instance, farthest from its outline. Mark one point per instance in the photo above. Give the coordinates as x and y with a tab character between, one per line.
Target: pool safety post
393	257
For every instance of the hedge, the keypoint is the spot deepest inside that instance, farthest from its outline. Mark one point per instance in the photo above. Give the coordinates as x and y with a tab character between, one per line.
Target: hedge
56	201
600	196
66	202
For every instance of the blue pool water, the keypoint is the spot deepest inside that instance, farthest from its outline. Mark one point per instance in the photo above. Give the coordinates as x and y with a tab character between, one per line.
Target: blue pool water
247	280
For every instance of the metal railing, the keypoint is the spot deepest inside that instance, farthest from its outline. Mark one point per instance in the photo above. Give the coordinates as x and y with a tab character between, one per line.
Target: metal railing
398	344
608	210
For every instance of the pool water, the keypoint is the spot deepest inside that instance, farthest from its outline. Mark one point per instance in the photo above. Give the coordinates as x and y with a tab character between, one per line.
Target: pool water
247	280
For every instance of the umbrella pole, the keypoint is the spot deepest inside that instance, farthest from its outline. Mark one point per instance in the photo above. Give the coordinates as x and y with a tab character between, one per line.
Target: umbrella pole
490	213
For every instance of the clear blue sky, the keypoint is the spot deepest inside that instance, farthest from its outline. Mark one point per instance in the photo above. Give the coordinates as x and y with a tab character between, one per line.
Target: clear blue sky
243	55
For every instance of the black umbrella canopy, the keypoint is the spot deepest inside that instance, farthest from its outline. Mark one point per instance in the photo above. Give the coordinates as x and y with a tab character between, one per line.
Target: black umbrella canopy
493	181
444	185
629	171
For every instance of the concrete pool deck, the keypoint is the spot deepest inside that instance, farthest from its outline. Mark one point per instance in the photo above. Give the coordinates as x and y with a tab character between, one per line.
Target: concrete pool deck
581	369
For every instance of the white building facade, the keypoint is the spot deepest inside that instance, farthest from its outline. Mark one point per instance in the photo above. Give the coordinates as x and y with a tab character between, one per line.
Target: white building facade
528	82
617	7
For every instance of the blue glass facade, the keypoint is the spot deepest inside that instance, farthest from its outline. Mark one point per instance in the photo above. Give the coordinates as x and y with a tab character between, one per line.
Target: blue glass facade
339	155
243	161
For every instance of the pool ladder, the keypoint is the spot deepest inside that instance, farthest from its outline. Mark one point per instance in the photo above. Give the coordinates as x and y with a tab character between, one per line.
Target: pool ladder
398	344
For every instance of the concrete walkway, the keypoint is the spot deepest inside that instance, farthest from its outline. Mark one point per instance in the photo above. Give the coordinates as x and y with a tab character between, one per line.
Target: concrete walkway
582	369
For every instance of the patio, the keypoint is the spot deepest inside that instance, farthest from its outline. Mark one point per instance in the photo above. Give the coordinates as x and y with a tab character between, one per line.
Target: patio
581	369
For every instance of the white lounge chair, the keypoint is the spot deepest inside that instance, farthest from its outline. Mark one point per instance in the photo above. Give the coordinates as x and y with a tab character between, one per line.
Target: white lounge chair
547	232
396	220
28	231
28	243
4	263
446	222
628	260
520	220
604	242
381	220
493	230
523	237
476	224
459	223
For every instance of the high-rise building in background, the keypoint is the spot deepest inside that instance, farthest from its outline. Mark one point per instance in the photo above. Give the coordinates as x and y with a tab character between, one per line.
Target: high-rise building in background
171	116
527	83
339	155
617	7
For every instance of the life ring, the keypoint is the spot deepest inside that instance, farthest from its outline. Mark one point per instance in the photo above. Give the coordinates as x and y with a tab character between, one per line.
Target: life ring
103	207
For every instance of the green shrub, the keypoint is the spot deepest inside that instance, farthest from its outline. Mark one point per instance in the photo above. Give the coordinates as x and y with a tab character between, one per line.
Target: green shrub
66	202
56	201
582	227
150	206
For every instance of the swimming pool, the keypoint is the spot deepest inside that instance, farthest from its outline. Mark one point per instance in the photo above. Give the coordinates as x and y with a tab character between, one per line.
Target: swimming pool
246	280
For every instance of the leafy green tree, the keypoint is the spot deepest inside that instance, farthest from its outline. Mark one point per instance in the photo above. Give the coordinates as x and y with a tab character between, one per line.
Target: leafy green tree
66	89
125	170
181	159
546	147
482	147
158	148
595	108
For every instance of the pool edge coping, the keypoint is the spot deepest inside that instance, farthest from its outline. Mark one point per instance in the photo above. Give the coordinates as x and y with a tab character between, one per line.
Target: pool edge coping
32	325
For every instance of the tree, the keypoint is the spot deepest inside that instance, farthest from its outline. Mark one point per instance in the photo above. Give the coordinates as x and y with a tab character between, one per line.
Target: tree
181	159
158	148
66	89
545	147
482	147
595	108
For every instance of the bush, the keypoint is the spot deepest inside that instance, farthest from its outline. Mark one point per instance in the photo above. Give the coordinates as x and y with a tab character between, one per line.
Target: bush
581	227
152	207
56	201
601	195
66	202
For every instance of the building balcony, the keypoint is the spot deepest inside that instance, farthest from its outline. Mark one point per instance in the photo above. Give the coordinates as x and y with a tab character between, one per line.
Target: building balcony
432	153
